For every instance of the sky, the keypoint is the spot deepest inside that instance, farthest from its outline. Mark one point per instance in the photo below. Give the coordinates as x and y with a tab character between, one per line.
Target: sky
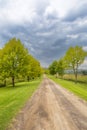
46	27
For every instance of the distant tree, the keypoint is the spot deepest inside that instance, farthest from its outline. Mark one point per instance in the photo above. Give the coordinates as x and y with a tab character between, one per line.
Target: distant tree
60	67
34	69
46	71
74	57
84	72
53	68
15	59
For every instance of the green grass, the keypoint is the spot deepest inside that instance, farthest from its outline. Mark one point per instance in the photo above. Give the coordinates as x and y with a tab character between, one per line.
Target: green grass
13	99
80	89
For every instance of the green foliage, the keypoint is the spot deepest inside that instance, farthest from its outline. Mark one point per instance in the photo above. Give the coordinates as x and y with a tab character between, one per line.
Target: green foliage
34	69
15	61
14	58
12	100
52	68
46	71
74	58
60	67
57	67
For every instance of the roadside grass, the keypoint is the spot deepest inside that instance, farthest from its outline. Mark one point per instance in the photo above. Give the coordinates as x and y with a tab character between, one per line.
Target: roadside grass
80	89
13	99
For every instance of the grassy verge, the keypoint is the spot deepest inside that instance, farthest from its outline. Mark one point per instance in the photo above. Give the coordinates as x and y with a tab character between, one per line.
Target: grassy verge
80	89
13	99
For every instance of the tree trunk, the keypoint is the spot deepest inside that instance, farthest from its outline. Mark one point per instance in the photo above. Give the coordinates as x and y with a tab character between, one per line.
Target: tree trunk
75	73
13	83
76	77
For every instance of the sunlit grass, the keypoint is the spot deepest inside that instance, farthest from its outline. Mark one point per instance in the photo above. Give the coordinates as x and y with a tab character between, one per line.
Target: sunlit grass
79	89
13	99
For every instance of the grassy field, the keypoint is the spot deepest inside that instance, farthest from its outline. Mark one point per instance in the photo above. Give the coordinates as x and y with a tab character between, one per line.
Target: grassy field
81	78
13	99
79	89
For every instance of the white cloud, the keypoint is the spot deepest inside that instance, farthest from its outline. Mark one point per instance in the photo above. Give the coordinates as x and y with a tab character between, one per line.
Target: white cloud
81	22
22	11
50	11
85	48
44	34
63	6
73	36
84	65
19	11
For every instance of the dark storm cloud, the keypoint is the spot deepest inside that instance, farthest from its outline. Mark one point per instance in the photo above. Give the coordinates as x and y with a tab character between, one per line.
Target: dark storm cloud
46	35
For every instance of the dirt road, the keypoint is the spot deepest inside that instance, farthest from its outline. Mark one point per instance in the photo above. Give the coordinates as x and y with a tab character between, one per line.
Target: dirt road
52	108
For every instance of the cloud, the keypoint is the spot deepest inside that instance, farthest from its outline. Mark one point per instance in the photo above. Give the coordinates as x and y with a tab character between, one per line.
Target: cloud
77	13
84	65
73	36
20	12
47	28
85	48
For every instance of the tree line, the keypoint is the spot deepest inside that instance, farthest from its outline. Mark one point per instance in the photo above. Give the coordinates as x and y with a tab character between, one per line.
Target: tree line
15	60
72	59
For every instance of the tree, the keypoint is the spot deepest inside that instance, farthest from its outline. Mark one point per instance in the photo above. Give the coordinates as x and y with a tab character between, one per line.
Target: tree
53	68
74	58
3	71
46	71
60	67
84	72
34	69
15	59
